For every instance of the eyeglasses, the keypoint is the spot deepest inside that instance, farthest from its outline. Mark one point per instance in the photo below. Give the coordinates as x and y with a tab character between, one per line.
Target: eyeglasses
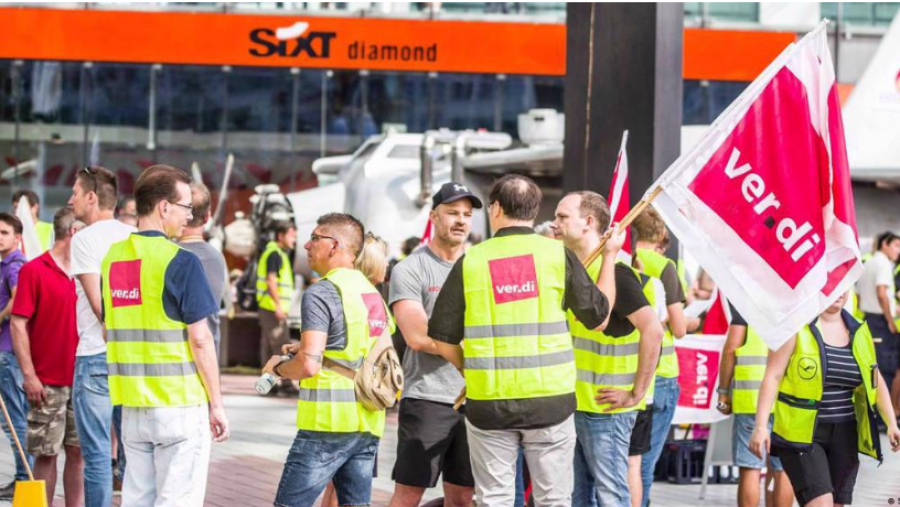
188	207
315	237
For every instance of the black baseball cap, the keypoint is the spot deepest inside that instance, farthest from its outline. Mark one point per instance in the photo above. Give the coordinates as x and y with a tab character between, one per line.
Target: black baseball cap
452	192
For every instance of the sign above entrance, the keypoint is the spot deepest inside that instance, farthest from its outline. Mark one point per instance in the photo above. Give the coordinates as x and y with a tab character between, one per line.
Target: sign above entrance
344	43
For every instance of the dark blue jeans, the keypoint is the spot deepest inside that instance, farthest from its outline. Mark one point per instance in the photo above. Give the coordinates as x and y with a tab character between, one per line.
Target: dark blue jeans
665	398
17	406
318	457
887	353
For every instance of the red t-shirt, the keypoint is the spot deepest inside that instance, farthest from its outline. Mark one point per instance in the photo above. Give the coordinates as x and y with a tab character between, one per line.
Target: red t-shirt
46	297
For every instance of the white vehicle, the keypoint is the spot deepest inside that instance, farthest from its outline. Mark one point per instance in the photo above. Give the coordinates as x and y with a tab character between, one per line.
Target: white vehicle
388	182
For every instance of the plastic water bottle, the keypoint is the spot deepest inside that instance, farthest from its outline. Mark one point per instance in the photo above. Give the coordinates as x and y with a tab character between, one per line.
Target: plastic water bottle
267	381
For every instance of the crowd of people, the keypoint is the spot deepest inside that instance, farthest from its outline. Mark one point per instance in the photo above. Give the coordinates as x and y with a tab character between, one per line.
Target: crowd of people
106	346
563	354
567	362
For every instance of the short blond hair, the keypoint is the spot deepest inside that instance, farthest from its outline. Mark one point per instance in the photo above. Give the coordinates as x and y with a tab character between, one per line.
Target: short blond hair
372	260
649	227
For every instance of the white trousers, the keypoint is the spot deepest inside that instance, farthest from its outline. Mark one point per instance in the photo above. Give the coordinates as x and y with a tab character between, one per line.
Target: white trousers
167	456
548	451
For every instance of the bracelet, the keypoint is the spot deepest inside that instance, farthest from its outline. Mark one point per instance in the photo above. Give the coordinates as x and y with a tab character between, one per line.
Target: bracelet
723	390
275	369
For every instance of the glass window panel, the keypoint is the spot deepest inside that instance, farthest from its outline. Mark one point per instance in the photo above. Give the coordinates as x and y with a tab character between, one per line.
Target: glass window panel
398	100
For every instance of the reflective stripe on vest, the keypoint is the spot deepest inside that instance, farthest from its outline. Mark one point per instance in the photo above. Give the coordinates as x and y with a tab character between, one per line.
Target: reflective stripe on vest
150	359
800	392
654	264
285	280
327	401
603	361
749	370
517	341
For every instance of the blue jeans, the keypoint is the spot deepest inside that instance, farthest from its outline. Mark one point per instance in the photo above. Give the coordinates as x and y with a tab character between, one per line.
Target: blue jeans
93	419
520	479
119	472
601	459
318	457
665	398
17	406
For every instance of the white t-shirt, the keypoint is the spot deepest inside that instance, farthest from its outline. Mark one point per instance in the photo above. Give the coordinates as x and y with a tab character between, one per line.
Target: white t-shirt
879	270
89	247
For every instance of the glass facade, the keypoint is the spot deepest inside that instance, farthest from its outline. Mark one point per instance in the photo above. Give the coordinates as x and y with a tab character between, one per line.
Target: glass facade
56	117
862	13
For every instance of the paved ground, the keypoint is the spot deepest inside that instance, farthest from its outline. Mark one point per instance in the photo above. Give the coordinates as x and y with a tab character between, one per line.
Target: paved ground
244	471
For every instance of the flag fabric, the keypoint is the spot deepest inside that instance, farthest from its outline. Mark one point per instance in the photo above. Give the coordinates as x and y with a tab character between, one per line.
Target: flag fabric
31	245
764	201
698	378
619	200
718	316
426	235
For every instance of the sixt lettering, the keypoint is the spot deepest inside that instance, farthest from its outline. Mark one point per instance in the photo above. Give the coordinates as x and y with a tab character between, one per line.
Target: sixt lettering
314	45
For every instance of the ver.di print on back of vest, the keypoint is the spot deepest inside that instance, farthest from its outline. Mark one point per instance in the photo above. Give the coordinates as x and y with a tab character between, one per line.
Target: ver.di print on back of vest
150	359
125	283
378	320
517	343
513	279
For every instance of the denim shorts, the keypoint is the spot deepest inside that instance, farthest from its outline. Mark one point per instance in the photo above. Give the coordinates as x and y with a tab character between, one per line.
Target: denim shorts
318	457
740	444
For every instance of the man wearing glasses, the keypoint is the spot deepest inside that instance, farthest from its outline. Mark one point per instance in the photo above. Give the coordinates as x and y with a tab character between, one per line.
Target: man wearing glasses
93	201
274	289
343	315
162	359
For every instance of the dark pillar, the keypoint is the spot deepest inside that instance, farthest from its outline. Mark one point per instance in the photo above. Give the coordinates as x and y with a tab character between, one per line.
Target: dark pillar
623	72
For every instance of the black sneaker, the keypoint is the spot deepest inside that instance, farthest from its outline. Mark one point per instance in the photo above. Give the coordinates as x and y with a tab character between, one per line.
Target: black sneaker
7	492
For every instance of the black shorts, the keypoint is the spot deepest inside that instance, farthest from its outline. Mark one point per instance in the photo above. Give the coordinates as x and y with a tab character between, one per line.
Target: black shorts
640	435
431	440
830	467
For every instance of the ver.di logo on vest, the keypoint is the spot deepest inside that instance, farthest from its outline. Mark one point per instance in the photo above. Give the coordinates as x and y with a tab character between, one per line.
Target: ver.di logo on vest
125	283
513	279
376	313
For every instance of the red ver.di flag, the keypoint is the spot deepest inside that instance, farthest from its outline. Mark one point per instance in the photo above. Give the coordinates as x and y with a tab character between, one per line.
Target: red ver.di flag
698	363
764	201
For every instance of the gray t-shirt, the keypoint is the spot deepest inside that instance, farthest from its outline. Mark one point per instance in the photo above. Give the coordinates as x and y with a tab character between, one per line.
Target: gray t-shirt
213	263
419	278
321	310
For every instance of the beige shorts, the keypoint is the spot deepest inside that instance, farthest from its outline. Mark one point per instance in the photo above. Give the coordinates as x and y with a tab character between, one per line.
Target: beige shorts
53	424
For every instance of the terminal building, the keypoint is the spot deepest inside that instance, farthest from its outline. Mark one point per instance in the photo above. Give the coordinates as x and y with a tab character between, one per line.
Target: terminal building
282	84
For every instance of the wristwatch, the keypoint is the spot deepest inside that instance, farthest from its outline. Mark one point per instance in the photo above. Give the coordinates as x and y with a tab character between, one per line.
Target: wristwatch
723	390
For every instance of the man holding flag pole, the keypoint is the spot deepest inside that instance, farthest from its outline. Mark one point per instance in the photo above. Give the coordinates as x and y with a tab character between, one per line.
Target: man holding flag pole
615	366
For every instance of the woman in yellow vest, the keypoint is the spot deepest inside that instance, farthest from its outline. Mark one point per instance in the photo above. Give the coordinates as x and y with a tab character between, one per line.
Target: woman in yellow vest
825	386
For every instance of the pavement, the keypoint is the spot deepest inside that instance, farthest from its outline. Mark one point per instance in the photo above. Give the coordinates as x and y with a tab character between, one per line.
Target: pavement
244	471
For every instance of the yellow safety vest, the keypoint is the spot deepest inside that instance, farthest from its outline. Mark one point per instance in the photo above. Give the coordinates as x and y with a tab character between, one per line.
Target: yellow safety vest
328	400
749	370
603	361
650	294
517	343
285	280
45	234
654	264
150	359
800	393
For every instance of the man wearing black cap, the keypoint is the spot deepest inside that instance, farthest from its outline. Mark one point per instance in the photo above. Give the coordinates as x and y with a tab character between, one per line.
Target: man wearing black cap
432	436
